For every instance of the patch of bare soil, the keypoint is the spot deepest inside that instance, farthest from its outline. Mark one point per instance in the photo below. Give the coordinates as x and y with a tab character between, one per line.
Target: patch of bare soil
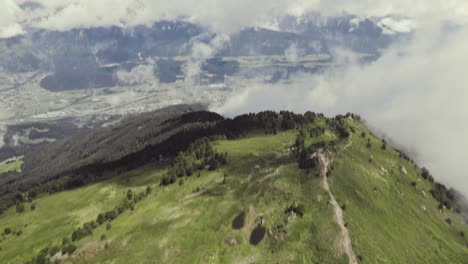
249	221
271	175
89	250
231	241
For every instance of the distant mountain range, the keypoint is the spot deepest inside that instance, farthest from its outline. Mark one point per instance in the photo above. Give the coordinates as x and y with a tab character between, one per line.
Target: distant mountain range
89	57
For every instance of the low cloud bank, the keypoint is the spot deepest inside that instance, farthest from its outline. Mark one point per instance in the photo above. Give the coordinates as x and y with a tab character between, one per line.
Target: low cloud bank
141	74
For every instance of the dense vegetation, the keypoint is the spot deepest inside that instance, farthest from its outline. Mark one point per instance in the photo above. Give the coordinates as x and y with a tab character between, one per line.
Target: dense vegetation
198	156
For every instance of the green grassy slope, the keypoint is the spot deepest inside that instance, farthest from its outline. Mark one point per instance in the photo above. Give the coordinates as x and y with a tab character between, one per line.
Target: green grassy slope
390	221
192	222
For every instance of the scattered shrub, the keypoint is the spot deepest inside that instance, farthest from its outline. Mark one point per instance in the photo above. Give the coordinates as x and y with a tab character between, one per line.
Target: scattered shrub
298	209
111	215
66	240
19	208
101	218
424	173
69	249
442	195
67	246
384	144
129	195
149	190
54	250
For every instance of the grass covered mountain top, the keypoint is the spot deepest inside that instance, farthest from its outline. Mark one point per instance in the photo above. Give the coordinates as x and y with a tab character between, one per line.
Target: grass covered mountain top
261	188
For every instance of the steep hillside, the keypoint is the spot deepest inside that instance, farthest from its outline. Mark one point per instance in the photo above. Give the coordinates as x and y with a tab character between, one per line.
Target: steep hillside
130	143
389	210
293	189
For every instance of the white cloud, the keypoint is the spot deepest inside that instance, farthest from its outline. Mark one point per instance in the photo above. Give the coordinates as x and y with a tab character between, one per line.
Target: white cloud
292	53
202	51
10	31
9	26
221	15
141	74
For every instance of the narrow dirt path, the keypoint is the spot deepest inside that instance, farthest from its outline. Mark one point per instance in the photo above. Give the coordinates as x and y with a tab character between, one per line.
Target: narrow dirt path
349	143
271	175
347	246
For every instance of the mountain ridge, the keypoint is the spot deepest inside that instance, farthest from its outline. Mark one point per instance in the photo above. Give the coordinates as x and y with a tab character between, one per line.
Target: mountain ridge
268	171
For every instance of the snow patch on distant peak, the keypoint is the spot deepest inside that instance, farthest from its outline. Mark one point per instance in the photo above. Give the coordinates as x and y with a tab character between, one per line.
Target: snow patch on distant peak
356	21
271	25
391	25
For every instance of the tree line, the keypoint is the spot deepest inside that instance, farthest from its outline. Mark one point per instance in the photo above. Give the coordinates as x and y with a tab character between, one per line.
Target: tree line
199	155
